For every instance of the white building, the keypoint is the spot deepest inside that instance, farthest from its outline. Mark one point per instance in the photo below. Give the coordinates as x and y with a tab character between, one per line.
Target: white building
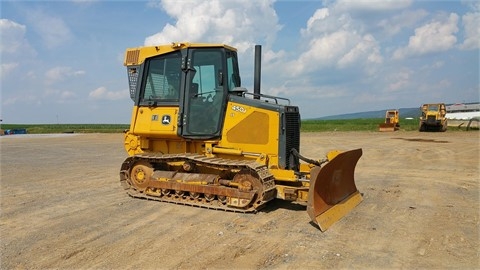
462	114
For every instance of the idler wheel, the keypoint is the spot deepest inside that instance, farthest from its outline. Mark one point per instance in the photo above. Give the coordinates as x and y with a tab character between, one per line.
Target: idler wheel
140	175
247	181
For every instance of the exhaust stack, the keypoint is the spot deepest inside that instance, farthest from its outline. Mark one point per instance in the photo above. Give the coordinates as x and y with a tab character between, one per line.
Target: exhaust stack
257	71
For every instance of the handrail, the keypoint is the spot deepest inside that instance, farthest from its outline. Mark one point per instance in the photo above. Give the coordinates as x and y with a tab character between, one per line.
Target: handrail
275	98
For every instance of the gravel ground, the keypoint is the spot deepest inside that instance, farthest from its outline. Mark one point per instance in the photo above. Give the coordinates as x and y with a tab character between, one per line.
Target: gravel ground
62	207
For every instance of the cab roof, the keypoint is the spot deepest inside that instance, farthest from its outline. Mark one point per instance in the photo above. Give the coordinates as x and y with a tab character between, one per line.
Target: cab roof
136	56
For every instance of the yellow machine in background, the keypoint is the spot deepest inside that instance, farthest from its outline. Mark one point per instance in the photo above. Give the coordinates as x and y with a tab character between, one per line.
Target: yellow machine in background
198	138
392	122
433	117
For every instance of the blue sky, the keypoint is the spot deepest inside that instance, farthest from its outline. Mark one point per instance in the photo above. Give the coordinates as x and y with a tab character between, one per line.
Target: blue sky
62	61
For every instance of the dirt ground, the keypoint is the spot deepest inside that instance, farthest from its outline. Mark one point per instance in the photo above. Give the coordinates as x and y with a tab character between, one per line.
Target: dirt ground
62	207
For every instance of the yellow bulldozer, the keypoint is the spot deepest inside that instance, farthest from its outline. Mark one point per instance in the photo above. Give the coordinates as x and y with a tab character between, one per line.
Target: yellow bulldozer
198	138
391	123
433	117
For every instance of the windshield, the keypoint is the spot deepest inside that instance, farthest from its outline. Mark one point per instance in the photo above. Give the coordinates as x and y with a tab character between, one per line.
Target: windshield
433	107
162	79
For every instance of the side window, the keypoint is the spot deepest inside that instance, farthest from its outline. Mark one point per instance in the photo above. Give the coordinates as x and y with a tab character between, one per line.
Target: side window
233	77
162	79
208	72
205	78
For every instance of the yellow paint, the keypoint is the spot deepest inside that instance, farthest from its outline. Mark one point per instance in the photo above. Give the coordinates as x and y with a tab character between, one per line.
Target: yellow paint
152	122
334	214
251	130
284	175
332	154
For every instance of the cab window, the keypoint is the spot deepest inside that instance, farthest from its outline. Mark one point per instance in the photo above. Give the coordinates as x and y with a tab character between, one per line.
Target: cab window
162	79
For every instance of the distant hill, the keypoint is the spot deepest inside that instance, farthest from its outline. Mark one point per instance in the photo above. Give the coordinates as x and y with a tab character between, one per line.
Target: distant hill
403	112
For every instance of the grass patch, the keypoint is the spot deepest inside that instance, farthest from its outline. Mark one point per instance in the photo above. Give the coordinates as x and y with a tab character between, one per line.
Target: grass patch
370	124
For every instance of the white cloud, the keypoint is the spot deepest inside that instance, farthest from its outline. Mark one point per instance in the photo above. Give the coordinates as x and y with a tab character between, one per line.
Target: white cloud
471	23
405	19
436	36
435	87
399	80
335	40
326	21
238	23
102	93
15	50
6	68
12	36
67	95
13	44
58	74
365	48
434	65
52	30
319	15
24	99
372	99
369	5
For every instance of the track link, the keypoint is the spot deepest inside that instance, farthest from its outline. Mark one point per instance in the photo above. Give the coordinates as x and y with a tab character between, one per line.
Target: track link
181	187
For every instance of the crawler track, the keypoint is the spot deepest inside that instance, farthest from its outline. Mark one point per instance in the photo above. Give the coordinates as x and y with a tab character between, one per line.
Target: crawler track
213	183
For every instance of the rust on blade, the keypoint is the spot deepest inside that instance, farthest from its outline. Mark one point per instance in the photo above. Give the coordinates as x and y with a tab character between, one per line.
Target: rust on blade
333	192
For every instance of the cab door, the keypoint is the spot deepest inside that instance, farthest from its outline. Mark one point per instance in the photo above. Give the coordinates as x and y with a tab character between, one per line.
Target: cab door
206	93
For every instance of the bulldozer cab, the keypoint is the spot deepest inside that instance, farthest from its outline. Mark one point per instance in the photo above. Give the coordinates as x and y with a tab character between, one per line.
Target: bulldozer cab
391	117
435	109
196	80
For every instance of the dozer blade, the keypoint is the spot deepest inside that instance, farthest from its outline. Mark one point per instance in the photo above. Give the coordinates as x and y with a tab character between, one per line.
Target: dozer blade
332	192
387	127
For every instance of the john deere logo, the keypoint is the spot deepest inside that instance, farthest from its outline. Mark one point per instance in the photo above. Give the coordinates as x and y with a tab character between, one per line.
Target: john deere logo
166	119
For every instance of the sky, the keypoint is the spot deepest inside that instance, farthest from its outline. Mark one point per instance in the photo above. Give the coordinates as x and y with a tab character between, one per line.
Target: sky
62	61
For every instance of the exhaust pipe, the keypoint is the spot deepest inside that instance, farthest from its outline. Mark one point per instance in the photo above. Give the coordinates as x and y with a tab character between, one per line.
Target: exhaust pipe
257	71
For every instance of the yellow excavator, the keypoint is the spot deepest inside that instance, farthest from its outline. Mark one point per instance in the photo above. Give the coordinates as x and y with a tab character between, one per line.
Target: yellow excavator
198	138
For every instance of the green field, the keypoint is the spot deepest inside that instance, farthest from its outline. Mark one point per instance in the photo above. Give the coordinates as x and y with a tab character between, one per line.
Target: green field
370	124
306	126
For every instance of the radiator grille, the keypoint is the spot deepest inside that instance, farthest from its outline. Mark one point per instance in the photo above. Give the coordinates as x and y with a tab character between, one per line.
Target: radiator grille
431	119
292	132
